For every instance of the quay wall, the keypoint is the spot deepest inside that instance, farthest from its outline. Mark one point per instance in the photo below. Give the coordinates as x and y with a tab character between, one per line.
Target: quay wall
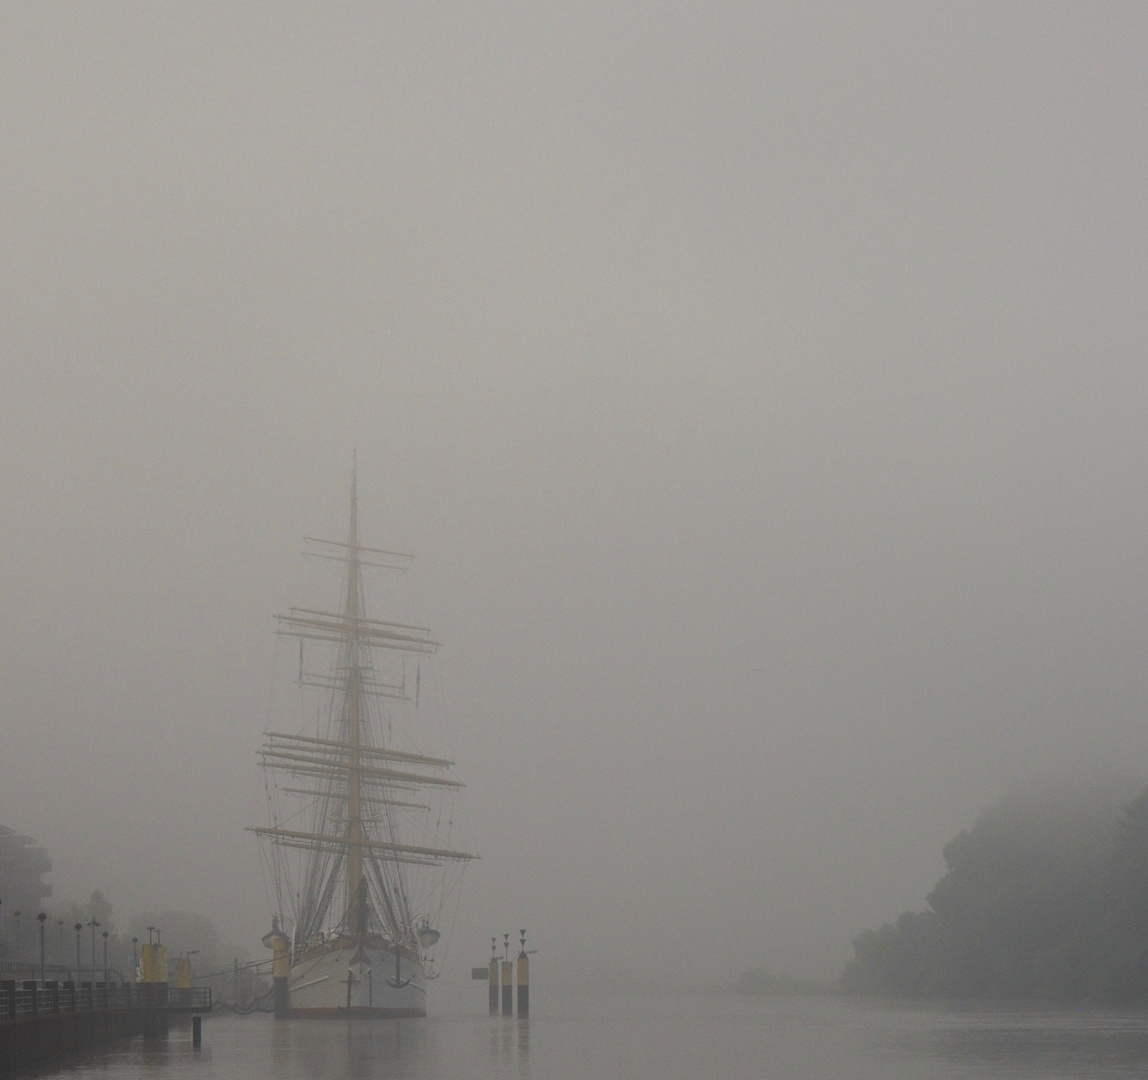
41	1022
35	1040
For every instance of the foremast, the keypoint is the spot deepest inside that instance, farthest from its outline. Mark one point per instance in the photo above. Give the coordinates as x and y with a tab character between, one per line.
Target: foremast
352	771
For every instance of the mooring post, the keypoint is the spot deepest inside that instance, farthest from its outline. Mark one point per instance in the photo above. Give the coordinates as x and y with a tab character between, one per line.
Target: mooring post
196	1030
280	944
493	992
507	980
523	980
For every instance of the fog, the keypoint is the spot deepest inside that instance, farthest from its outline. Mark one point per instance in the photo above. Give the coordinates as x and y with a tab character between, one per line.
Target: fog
760	387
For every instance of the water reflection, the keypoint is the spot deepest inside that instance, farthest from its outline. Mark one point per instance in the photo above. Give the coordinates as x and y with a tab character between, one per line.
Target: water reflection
509	1048
397	1047
281	1048
653	1037
1021	1043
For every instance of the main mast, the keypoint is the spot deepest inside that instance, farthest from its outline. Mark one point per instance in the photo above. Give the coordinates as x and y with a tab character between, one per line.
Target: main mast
356	896
361	793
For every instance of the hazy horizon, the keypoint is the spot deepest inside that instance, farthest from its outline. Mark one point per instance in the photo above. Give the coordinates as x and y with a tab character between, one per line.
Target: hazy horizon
760	389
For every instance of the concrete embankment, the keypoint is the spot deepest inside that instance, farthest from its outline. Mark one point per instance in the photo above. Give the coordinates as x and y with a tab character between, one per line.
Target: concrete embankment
42	1022
37	1040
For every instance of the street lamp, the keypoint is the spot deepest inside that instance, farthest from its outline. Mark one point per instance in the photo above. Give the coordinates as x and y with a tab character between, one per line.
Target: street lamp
93	924
79	969
16	915
105	937
60	952
41	919
135	965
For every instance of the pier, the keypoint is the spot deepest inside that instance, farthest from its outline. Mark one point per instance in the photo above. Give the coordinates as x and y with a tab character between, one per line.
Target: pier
41	1020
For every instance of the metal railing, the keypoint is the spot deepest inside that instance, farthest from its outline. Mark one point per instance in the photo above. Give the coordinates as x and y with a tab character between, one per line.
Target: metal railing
20	1000
30	969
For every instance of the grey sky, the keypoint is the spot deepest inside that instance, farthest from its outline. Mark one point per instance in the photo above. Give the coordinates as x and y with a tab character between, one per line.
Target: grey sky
761	388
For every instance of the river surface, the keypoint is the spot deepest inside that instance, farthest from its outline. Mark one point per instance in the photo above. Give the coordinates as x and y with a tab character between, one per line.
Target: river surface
660	1037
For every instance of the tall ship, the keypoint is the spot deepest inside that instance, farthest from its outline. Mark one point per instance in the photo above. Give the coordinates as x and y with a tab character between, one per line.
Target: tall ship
358	842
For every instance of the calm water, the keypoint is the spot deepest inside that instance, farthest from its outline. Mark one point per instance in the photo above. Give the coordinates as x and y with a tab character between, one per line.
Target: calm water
659	1037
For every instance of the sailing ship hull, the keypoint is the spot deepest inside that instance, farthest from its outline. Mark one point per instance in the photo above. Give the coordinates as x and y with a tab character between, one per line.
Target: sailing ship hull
343	979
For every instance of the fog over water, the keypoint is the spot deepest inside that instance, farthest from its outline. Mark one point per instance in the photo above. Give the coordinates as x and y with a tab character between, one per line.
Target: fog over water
761	388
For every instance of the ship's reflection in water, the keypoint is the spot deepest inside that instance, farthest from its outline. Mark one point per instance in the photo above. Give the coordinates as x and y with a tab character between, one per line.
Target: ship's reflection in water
353	1049
361	1049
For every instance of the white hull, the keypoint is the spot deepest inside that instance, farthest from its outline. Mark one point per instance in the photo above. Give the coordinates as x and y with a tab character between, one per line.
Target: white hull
328	977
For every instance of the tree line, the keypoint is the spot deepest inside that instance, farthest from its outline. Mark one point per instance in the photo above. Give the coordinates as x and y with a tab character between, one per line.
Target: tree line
1045	896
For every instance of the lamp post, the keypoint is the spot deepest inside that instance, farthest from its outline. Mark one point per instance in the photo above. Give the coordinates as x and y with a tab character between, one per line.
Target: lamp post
93	924
135	964
105	937
41	919
79	969
16	916
60	958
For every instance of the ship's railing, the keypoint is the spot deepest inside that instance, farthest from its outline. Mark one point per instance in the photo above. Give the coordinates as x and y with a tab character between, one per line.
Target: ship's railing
19	1000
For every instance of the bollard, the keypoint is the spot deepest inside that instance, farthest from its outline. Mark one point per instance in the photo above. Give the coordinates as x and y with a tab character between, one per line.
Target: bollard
523	980
196	1030
493	990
